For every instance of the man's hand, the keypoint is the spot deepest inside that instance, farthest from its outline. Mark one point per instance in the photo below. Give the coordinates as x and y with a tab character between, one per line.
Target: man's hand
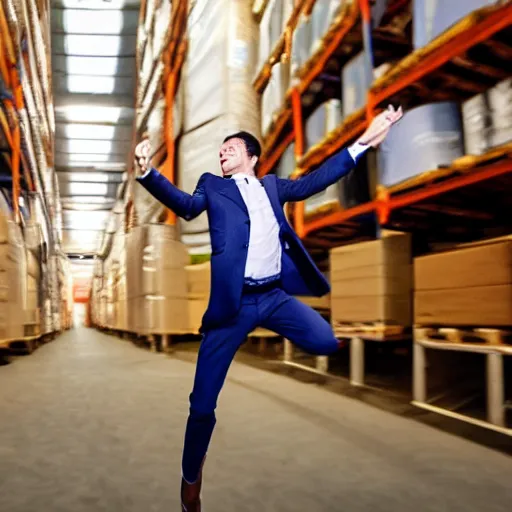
380	126
142	152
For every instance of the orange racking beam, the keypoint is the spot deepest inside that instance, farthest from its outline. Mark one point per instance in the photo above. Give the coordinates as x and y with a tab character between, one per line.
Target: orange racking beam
305	81
461	43
176	55
478	33
298	130
385	204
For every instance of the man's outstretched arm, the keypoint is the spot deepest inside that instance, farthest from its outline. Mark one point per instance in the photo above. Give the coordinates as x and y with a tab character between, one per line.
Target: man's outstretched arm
187	206
340	164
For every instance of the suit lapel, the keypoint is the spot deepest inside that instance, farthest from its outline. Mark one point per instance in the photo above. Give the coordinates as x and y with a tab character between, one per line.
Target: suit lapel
271	190
229	189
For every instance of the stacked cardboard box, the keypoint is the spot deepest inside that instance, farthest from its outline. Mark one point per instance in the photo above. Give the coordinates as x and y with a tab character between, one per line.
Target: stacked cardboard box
156	285
471	285
198	293
13	280
372	281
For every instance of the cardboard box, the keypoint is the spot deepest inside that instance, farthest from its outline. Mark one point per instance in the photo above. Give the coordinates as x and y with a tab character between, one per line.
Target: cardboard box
196	310
198	280
372	281
471	285
392	251
480	265
389	309
482	306
167	282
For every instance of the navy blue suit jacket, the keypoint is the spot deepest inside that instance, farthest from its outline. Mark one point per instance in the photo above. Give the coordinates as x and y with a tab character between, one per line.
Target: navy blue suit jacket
229	226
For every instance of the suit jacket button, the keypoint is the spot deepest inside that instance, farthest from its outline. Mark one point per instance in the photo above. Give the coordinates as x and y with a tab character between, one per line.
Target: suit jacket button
246	246
247	222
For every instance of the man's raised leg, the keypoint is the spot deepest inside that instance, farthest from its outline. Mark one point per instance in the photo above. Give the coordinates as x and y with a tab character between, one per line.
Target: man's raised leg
300	324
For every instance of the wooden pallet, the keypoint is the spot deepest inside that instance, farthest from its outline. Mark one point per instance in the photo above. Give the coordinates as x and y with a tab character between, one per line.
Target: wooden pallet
377	329
464	335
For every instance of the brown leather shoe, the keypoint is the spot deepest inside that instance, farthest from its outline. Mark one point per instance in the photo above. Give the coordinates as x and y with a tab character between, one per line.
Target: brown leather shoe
191	493
191	496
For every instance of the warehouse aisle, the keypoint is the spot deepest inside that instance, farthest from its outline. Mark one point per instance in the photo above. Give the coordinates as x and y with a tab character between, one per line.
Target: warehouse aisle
93	423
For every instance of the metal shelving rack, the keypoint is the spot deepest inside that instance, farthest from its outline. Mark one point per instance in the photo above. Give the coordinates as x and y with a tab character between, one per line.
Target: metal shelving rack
466	60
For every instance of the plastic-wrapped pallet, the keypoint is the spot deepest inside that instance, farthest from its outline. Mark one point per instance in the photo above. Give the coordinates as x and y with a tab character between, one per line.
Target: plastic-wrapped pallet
322	15
323	120
276	21
500	102
476	120
356	79
220	64
287	163
434	139
301	45
274	94
432	17
199	153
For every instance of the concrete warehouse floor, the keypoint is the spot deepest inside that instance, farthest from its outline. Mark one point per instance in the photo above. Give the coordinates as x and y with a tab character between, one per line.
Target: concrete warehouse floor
93	423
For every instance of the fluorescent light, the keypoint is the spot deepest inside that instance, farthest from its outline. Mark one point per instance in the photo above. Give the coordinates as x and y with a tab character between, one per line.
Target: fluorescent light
88	159
97	46
95	166
97	4
89	131
89	146
84	201
94	177
99	66
91	84
85	219
88	189
81	21
92	113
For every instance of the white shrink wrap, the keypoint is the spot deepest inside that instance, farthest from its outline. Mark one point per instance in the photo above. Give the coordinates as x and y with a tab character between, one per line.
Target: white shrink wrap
221	61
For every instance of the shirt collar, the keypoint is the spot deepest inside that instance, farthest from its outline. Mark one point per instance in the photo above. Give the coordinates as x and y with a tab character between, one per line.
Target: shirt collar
241	177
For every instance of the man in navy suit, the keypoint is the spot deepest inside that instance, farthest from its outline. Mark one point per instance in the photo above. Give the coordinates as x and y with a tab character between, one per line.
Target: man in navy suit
257	264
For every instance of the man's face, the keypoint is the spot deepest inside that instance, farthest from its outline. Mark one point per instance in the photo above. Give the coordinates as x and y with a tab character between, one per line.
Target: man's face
233	156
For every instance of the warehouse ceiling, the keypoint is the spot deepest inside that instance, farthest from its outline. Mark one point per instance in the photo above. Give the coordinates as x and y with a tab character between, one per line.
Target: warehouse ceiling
93	64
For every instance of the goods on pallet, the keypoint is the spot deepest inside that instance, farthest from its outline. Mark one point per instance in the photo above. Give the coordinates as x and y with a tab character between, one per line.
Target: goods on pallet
220	63
434	139
487	119
324	119
500	103
198	283
287	163
433	17
272	99
301	44
155	290
322	15
476	120
371	282
356	79
471	285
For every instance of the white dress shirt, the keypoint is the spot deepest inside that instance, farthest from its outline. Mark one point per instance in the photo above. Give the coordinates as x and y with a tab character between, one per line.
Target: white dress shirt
264	252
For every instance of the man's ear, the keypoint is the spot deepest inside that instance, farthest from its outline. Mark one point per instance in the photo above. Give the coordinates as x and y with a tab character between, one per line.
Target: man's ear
254	161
